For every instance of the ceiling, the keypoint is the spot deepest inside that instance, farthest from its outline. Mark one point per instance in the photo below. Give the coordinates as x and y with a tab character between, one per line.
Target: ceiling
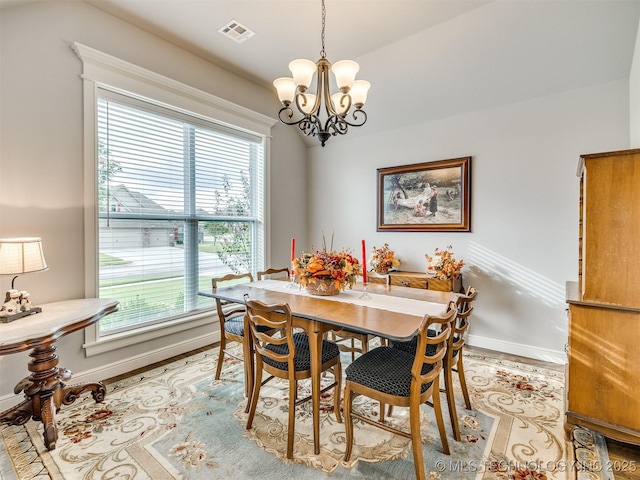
425	59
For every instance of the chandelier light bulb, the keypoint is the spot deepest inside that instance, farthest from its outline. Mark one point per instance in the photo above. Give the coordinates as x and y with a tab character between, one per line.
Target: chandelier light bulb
345	73
302	71
286	88
358	92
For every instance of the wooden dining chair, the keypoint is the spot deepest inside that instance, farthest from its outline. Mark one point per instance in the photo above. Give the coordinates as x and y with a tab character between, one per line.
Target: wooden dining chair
231	316
453	360
346	338
394	377
458	341
286	355
279	273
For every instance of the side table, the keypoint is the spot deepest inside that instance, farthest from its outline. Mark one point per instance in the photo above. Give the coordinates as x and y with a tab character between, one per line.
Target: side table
45	389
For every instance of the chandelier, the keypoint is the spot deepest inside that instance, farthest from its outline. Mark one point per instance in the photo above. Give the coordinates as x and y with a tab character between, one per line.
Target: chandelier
322	114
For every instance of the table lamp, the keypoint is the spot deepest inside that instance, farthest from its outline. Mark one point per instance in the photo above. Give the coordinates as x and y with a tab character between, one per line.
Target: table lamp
19	256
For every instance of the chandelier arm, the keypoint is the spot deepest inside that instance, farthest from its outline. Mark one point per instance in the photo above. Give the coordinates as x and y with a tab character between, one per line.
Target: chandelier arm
301	99
356	113
286	114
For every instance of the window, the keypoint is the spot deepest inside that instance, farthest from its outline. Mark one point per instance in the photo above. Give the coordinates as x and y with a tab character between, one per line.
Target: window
175	192
179	201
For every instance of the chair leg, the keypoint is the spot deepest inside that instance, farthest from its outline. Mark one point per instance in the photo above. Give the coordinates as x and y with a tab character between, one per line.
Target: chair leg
416	438
292	416
223	345
437	408
337	373
348	421
463	383
257	383
451	401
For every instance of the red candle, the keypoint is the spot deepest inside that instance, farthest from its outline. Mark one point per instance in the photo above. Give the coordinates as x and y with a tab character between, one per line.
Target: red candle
364	262
293	249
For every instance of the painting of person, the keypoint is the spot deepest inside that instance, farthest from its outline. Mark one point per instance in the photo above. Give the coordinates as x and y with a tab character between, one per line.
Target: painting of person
419	209
396	197
426	193
433	202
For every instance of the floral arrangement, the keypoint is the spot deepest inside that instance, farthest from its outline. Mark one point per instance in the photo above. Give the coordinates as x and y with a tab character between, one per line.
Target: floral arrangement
339	268
383	259
444	266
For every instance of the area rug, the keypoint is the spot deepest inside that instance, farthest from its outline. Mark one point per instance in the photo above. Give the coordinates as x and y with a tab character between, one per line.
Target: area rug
176	422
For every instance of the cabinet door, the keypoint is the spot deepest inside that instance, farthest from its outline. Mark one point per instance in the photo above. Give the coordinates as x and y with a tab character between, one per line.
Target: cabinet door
611	228
603	376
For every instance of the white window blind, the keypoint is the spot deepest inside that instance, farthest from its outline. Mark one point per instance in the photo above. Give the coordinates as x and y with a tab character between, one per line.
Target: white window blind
180	199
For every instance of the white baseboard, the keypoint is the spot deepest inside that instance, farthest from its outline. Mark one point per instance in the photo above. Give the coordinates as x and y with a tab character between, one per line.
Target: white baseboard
529	351
127	365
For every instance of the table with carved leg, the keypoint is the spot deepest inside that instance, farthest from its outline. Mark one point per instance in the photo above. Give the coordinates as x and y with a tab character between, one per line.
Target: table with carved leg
45	389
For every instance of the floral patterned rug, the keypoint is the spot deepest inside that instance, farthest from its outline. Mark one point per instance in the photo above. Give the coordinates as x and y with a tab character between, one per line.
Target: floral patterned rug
176	422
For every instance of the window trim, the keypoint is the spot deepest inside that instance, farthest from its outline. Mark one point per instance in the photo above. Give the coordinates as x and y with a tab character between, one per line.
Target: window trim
101	69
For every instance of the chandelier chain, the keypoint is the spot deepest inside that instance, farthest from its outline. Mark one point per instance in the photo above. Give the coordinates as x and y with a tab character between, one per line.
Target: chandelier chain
324	14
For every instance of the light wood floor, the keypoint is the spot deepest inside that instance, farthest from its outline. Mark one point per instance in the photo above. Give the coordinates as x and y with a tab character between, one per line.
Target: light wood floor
624	458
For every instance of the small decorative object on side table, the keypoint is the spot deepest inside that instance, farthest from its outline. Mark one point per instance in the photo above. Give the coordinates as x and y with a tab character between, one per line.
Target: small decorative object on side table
383	260
444	268
17	257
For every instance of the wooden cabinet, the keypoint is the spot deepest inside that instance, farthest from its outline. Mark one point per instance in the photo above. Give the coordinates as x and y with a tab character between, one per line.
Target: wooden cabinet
603	373
422	280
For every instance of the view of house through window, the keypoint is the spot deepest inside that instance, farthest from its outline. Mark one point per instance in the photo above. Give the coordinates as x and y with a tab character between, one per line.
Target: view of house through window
179	201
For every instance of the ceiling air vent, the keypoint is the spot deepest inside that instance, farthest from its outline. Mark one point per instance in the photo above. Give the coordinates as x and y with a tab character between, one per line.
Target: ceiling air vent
236	32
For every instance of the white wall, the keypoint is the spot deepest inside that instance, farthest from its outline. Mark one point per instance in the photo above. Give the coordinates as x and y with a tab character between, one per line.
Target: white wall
41	162
524	240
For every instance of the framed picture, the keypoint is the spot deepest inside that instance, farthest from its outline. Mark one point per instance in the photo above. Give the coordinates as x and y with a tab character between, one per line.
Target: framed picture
426	197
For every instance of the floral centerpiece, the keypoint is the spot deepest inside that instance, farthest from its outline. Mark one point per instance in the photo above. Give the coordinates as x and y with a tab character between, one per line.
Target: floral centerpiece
444	266
326	272
383	260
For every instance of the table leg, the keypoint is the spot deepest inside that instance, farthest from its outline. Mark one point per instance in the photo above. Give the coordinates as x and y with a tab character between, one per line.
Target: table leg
315	350
46	391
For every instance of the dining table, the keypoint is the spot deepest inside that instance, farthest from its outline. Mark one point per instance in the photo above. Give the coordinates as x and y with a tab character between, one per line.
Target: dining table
390	312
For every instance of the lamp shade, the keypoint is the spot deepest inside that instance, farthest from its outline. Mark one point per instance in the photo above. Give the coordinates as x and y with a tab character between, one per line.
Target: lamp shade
21	255
345	73
302	71
359	91
286	88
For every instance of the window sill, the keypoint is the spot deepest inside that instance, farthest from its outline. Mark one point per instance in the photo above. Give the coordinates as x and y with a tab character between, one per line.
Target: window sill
144	334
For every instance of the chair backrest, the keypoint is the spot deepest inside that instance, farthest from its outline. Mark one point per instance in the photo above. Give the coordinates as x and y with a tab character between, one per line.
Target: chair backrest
464	301
228	279
460	326
431	349
274	273
279	331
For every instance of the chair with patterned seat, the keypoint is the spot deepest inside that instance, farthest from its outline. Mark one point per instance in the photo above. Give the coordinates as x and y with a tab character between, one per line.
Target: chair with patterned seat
286	355
395	377
453	359
231	316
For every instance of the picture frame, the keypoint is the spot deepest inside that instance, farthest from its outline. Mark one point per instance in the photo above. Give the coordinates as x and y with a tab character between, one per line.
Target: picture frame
407	202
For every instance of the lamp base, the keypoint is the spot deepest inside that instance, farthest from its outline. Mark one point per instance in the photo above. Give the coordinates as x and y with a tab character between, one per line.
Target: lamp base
16	316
